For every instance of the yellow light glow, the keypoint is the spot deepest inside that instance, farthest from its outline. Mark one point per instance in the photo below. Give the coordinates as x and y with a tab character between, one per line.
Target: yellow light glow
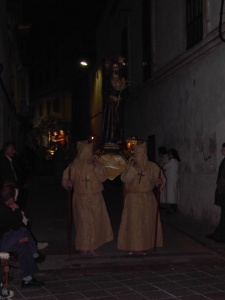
83	63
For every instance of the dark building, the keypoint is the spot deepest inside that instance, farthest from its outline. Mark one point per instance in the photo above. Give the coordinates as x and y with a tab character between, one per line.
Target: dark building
62	34
174	57
14	83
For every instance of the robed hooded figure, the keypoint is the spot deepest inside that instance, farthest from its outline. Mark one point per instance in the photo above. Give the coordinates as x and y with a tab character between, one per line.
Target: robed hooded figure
92	224
137	228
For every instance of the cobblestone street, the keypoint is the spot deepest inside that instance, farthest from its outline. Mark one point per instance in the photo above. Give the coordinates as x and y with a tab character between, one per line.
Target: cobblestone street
189	266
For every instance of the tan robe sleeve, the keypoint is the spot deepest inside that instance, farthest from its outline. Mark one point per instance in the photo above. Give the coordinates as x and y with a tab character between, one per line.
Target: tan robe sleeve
128	174
65	177
162	176
101	172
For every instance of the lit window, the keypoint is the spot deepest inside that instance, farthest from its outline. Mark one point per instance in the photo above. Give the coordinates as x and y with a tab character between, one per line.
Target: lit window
194	22
48	107
40	109
56	105
146	31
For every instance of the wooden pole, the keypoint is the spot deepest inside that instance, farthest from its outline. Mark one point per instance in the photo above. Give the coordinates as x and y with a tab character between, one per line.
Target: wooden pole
157	212
69	216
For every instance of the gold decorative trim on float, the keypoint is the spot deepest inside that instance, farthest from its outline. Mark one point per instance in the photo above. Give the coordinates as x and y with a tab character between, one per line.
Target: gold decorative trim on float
115	162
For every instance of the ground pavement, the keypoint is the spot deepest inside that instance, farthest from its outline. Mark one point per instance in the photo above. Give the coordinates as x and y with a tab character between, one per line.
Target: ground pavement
189	266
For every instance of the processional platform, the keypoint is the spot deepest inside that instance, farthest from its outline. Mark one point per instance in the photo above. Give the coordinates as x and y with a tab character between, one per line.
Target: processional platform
115	160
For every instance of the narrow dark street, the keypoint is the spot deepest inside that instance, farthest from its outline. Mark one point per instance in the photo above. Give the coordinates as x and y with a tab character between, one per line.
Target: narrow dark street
189	266
128	78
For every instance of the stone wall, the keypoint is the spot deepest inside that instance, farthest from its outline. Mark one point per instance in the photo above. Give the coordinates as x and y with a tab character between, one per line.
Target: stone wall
183	103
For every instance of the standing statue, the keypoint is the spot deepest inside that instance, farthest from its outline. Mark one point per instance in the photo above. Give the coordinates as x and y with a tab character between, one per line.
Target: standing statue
113	93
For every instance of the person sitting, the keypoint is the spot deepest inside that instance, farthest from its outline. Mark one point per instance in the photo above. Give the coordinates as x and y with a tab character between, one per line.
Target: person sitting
26	220
5	293
14	237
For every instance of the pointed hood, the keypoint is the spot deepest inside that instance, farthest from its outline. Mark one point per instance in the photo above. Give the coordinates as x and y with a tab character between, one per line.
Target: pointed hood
140	153
84	150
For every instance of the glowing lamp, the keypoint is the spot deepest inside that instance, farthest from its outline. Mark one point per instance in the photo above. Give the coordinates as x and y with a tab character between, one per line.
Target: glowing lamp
83	63
131	142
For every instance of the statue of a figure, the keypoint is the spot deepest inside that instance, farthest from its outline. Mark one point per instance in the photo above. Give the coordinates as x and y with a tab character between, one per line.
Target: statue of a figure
113	89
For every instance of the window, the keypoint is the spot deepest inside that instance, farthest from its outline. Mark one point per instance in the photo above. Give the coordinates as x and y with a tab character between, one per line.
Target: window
48	76
40	80
146	32
56	71
56	105
48	107
194	22
40	109
125	49
151	147
24	90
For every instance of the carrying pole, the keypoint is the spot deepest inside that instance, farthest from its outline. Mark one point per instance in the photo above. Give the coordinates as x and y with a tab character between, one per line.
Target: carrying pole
157	212
69	217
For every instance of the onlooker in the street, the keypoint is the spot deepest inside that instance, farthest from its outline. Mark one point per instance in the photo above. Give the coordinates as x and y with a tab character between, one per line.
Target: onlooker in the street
7	169
163	156
5	293
171	169
26	221
219	233
13	171
137	228
92	224
14	237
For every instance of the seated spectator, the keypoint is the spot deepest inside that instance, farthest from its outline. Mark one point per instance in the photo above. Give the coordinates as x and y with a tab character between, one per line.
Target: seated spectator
14	170
5	293
14	237
27	222
7	168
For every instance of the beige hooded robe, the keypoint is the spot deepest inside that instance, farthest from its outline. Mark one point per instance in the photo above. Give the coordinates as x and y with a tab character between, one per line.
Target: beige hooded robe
92	223
137	228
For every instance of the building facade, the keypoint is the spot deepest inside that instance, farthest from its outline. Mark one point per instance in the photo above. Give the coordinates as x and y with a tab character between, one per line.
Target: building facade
14	86
175	69
59	84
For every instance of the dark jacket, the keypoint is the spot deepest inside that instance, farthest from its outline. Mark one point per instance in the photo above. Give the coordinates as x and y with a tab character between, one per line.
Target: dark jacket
220	188
9	219
6	171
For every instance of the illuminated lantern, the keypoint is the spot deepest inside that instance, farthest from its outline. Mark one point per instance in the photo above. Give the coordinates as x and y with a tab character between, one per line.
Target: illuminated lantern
131	142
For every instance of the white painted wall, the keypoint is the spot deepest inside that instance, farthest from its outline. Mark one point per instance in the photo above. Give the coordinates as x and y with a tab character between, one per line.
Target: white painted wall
183	104
186	111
